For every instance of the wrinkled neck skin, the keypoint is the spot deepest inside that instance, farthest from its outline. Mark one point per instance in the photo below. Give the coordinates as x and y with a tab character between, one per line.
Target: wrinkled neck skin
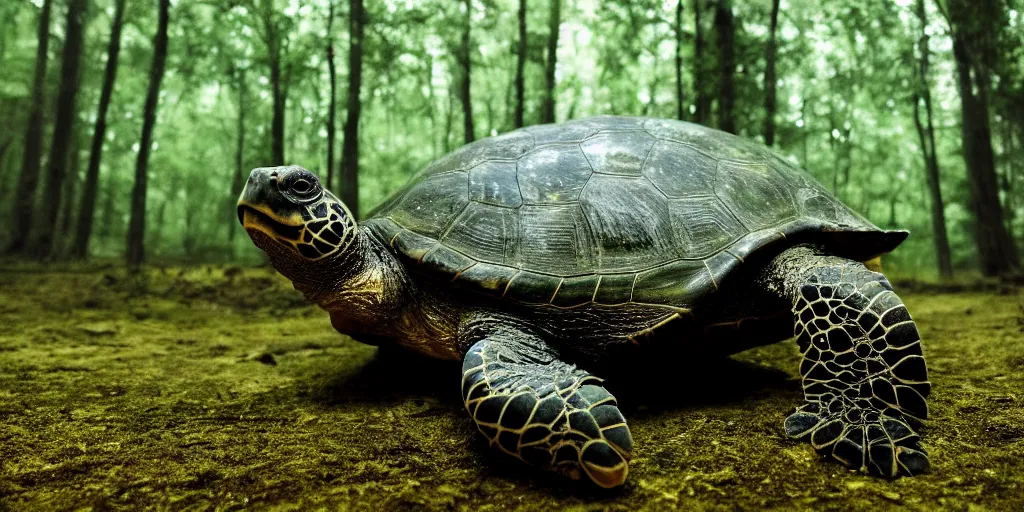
371	298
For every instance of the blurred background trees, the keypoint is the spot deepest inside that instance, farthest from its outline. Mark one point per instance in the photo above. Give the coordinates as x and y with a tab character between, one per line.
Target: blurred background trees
911	111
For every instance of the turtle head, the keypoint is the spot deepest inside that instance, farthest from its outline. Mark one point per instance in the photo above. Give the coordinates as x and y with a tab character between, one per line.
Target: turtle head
289	214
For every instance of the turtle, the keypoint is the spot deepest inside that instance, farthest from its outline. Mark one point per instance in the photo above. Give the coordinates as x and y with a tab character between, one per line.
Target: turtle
541	255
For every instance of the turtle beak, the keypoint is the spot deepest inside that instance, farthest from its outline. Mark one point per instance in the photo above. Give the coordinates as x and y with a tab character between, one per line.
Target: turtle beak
261	207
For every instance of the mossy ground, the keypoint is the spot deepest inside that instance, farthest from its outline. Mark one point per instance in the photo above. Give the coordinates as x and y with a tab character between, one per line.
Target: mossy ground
220	389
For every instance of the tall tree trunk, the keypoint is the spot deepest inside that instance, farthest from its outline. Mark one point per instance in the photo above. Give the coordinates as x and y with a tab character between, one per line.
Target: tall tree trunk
64	125
449	121
331	104
703	101
926	136
680	107
67	213
137	226
770	79
28	182
996	248
87	207
517	117
466	63
725	35
278	90
547	107
239	176
350	146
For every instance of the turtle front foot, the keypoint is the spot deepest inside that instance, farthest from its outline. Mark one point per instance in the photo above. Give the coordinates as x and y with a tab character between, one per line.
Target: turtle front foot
860	436
545	412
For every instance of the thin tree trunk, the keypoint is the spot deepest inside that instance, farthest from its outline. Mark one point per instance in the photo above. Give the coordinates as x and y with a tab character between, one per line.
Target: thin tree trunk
137	226
996	248
64	125
466	63
350	146
431	107
770	79
87	207
28	182
331	108
67	214
278	90
449	121
517	117
680	107
547	107
926	135
239	176
725	35
703	102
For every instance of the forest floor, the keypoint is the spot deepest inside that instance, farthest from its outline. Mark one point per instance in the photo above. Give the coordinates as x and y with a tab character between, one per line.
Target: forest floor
219	389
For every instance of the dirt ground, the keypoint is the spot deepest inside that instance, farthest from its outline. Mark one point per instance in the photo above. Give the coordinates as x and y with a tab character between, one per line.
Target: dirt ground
219	389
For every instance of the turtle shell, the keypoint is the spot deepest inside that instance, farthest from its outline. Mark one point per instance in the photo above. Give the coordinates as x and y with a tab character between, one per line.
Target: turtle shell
611	210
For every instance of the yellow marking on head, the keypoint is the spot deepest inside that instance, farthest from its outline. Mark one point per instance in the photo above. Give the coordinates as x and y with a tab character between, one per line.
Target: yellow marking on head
874	264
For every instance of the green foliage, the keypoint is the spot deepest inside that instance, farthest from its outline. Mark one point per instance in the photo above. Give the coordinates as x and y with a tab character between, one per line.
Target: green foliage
846	75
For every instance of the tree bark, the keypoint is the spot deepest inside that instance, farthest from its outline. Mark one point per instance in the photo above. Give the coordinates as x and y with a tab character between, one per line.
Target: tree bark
547	107
87	207
64	126
238	178
996	248
137	226
28	181
680	107
331	104
703	101
770	79
350	146
67	213
278	90
466	62
926	136
725	34
517	117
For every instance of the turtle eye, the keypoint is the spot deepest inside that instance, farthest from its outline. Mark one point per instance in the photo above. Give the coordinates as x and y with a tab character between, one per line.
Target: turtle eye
301	186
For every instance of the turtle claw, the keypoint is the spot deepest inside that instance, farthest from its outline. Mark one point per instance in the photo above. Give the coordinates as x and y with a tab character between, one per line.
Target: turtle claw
867	440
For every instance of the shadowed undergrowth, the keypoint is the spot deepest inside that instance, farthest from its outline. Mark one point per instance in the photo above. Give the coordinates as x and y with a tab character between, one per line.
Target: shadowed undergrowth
218	388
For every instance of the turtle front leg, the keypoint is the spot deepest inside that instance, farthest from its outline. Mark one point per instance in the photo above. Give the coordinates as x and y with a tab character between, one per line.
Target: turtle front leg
864	376
533	406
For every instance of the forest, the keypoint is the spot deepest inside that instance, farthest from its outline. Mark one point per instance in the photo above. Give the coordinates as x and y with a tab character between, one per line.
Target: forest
129	126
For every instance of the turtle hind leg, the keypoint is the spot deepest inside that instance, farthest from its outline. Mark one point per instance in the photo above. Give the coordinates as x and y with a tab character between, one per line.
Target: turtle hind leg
864	377
543	411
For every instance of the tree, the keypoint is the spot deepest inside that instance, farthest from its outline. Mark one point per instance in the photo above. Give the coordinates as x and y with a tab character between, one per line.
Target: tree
64	125
769	78
238	176
137	225
350	146
87	207
28	182
465	58
725	35
547	107
680	108
331	110
703	101
272	38
972	25
517	117
926	135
